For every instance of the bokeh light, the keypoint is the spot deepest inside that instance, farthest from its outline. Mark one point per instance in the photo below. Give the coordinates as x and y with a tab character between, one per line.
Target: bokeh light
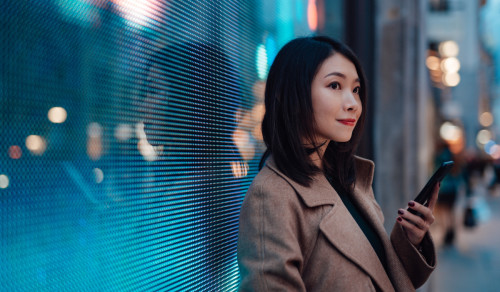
123	132
432	62
261	62
140	12
94	130
239	169
483	136
99	175
241	139
94	141
488	146
450	65
15	152
450	132
57	115
492	149
486	119
448	49
147	150
36	144
495	153
451	79
312	15
4	181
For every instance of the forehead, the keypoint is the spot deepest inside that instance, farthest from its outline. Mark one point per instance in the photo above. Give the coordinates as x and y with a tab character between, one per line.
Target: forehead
338	63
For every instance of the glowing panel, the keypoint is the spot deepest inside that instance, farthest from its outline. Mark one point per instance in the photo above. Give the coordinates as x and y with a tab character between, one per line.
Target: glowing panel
130	134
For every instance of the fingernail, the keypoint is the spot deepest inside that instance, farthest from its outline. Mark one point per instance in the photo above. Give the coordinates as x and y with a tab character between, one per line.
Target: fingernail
401	212
411	203
400	219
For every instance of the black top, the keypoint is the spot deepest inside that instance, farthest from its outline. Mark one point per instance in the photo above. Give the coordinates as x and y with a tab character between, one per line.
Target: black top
365	226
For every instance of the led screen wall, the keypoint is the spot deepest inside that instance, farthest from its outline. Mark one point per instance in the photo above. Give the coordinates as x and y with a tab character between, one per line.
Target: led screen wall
129	136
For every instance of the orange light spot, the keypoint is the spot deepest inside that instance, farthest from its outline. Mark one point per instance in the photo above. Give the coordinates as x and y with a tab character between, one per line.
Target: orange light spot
312	15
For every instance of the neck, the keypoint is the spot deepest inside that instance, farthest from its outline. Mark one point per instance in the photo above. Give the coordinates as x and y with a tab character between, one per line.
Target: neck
317	156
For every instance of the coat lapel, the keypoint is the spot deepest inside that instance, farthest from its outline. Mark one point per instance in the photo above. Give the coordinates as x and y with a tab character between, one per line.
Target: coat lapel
340	228
344	233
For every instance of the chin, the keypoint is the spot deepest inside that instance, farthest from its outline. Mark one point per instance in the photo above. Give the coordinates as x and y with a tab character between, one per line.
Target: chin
342	139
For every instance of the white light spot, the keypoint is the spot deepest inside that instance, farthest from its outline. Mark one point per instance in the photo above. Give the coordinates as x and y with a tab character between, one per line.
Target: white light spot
99	175
57	115
450	132
448	49
450	65
123	132
94	130
483	137
147	150
451	79
36	144
4	181
139	12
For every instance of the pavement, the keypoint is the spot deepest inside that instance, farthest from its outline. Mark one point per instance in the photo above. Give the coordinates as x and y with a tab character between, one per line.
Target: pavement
472	262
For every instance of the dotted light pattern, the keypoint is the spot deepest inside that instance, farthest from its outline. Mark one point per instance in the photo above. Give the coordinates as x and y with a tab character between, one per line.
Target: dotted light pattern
139	186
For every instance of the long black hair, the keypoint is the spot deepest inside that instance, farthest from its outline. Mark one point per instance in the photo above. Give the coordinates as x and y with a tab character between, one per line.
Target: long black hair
289	118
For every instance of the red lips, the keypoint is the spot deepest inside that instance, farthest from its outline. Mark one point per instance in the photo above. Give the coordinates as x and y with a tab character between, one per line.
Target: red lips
348	122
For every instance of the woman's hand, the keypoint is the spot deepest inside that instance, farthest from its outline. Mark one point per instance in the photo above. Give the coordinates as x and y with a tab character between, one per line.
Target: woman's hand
417	226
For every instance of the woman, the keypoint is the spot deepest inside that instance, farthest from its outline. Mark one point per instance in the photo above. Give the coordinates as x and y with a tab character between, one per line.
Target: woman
309	221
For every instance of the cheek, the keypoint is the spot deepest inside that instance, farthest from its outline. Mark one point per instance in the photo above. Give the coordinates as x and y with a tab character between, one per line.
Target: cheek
322	113
325	101
330	107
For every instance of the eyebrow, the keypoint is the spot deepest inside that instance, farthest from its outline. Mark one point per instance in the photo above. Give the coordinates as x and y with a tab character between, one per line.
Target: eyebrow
341	75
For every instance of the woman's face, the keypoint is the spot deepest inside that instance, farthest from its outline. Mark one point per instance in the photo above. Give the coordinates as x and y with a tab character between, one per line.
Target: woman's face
335	99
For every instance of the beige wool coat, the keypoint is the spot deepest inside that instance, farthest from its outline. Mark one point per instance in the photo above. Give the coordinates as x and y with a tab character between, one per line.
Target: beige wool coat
296	238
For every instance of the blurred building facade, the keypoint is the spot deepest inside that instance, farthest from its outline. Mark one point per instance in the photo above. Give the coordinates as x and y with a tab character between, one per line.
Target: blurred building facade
401	101
432	71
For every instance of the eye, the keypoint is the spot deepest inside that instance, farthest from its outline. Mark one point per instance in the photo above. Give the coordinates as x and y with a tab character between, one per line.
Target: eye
357	90
334	85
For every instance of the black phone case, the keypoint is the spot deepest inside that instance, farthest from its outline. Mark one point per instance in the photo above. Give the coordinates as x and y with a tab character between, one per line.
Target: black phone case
426	193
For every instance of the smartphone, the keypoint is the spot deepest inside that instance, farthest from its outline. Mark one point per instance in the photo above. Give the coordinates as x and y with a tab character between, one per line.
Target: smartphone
425	194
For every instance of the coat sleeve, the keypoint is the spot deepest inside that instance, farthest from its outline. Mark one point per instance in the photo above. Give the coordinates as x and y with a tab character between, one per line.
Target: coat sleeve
269	253
418	264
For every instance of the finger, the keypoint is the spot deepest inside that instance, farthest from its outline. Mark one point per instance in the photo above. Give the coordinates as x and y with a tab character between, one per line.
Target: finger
424	211
434	197
415	235
416	220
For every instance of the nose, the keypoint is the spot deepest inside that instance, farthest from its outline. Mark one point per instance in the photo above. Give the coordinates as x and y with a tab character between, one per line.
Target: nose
351	102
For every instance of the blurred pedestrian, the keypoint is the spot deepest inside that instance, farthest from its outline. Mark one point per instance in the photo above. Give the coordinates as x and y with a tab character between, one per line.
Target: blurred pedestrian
474	170
310	220
448	193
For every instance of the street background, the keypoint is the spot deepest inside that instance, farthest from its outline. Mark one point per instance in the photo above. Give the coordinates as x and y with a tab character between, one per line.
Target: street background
472	263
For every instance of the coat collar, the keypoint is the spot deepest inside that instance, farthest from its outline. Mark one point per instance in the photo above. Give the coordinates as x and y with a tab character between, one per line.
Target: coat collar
338	226
319	193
